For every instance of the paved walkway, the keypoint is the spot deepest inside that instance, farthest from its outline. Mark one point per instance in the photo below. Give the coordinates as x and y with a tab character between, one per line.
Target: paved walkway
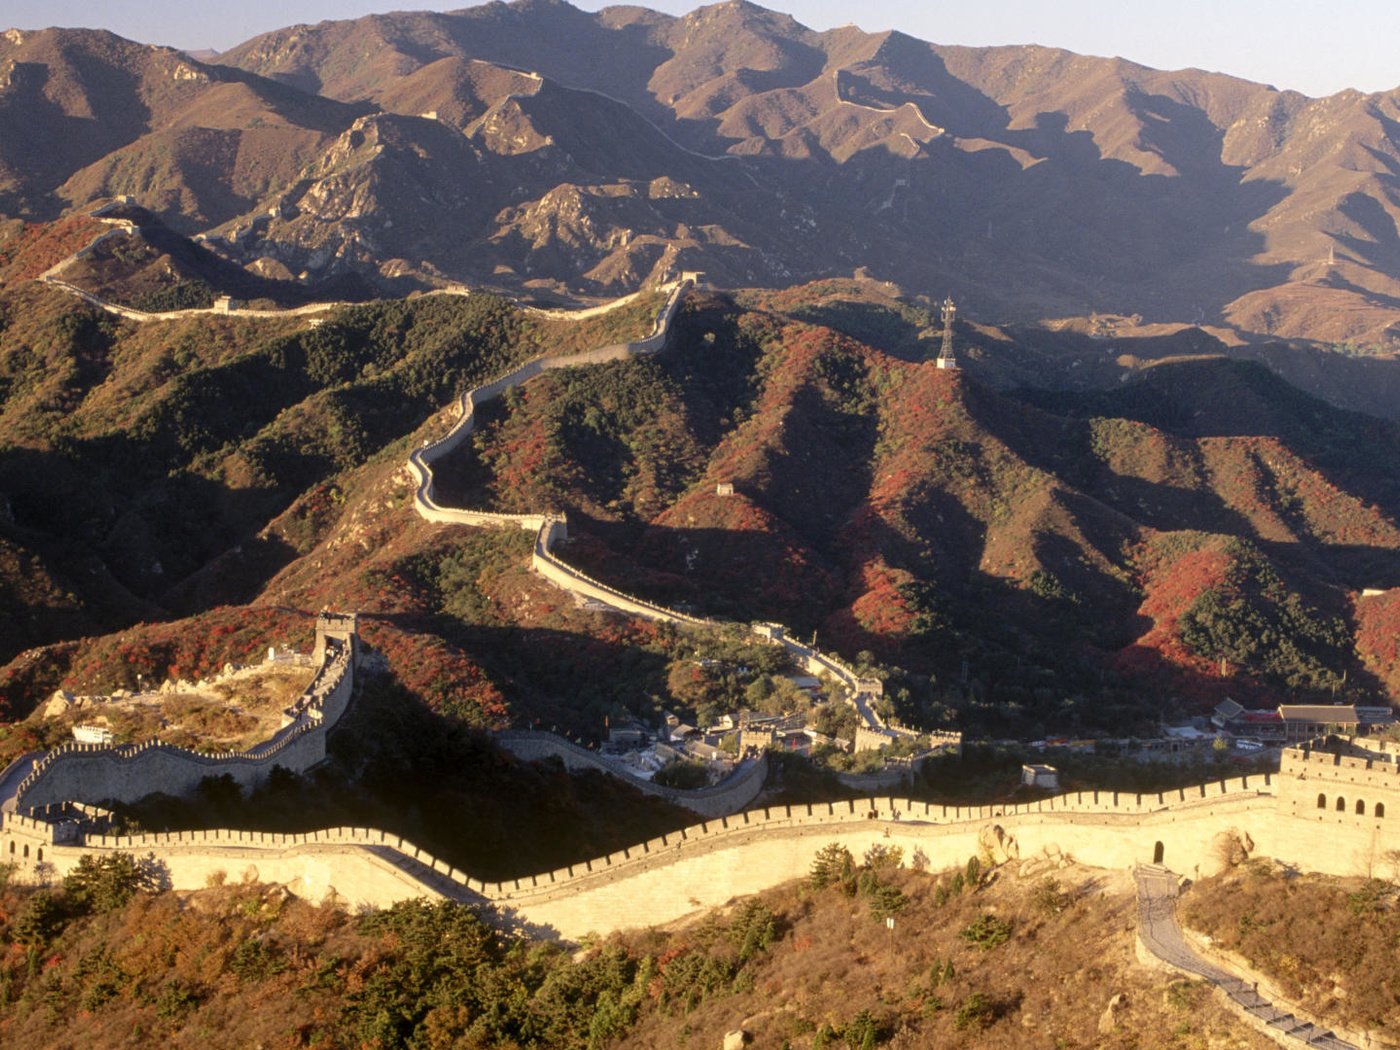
11	776
1158	931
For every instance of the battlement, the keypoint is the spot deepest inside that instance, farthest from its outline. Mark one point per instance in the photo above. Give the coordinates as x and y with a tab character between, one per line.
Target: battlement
1344	760
672	874
75	773
710	861
340	628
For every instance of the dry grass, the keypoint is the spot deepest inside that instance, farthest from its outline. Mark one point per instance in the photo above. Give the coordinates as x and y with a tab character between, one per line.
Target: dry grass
1048	985
231	714
239	964
1328	944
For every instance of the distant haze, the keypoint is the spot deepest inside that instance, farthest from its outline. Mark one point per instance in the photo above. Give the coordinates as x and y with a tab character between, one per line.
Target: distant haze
1314	48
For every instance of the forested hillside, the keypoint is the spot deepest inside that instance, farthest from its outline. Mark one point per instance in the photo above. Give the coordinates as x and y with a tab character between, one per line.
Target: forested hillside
1017	562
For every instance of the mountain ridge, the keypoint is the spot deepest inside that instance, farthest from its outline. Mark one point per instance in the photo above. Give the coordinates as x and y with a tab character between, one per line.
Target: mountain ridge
1009	176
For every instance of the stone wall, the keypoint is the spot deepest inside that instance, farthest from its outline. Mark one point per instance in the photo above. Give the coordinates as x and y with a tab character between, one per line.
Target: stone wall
550	528
728	796
700	866
359	867
704	865
1347	805
96	773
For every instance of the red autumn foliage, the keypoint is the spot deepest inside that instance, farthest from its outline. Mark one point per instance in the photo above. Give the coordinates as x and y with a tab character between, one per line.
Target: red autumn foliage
1378	637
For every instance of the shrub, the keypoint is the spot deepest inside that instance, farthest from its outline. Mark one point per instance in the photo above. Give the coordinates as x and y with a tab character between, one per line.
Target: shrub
102	884
175	999
884	900
986	932
1049	897
833	866
753	929
973	872
862	1032
39	920
977	1011
253	960
683	774
880	857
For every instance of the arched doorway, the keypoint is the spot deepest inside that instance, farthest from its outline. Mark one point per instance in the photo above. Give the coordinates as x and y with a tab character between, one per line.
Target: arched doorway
1158	851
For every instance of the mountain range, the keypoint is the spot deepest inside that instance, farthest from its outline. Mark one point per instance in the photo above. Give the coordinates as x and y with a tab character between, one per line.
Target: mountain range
541	149
1101	517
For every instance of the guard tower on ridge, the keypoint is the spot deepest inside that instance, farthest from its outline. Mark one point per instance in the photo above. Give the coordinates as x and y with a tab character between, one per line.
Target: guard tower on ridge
945	355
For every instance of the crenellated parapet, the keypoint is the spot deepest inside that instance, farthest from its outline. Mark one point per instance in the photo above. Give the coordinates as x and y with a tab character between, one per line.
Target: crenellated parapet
90	773
707	863
550	527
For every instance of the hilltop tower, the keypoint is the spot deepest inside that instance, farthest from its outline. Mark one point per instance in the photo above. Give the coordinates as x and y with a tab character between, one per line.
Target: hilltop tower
945	355
339	629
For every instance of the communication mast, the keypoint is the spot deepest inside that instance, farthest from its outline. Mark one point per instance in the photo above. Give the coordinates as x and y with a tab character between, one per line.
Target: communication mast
945	355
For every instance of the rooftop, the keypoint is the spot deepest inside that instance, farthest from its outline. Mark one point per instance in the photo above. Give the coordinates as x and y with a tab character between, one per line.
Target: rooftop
1325	713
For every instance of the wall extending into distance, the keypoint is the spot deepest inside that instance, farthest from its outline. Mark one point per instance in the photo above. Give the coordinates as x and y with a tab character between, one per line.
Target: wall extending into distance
551	527
697	867
1326	811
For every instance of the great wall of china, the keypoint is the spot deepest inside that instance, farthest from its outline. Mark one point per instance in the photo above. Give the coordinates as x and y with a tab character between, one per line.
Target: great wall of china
1323	811
77	772
123	227
702	866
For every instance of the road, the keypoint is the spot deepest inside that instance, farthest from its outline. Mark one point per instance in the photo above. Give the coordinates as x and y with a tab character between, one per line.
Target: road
1157	927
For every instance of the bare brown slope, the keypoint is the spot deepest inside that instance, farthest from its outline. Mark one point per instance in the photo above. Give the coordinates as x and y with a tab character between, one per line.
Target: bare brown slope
1025	168
85	114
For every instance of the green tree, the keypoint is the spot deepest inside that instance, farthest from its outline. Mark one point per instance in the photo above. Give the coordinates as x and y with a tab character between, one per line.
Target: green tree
102	884
39	920
752	930
833	866
1049	897
977	1011
986	932
862	1032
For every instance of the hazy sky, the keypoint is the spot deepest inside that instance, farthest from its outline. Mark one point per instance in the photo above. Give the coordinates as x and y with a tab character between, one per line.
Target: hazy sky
1312	46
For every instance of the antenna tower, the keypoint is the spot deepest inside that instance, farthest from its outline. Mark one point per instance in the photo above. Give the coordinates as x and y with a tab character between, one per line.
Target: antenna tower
945	355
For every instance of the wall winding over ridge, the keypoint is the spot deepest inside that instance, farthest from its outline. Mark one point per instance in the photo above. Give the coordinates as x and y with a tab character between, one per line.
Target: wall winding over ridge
696	867
94	772
1325	812
551	527
674	875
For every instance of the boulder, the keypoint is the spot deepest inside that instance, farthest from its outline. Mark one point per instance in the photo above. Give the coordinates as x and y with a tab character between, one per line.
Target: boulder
58	704
996	845
1108	1020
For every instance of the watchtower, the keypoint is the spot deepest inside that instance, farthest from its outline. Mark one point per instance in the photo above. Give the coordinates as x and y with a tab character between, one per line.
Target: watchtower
945	355
340	628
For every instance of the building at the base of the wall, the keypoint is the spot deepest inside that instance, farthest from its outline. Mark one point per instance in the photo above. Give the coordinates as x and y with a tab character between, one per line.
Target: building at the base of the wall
87	733
1038	776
